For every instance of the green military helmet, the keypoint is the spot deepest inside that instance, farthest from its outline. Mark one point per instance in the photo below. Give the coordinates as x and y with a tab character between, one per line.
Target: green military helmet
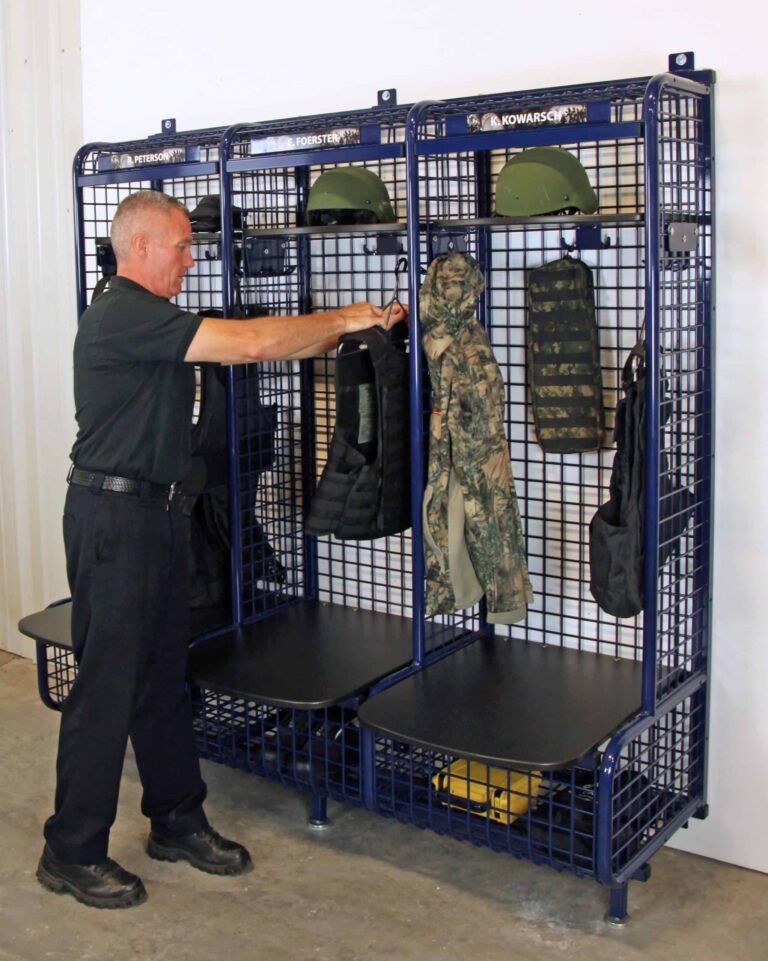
349	195
543	180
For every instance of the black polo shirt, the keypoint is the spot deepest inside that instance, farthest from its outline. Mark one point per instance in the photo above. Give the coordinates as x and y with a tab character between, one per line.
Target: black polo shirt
133	392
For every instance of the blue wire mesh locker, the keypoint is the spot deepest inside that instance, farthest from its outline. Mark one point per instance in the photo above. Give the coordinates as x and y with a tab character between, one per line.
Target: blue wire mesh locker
184	165
500	743
280	417
341	609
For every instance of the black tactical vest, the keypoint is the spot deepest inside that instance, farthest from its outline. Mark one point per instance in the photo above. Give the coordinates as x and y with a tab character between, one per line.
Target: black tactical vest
364	490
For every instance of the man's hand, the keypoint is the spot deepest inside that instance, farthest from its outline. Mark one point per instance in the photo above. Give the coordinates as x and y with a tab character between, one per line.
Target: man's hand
395	312
362	315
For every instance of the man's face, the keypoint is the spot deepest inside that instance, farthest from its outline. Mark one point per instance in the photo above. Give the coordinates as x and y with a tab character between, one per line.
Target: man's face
168	252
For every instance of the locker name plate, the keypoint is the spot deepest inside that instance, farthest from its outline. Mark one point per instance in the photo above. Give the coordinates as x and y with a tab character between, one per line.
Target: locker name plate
528	117
338	137
144	158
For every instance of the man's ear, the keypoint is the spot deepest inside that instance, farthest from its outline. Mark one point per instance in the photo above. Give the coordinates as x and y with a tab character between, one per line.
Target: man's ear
139	243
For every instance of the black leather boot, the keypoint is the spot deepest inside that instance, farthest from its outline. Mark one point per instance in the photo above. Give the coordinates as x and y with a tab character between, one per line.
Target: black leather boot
101	885
206	850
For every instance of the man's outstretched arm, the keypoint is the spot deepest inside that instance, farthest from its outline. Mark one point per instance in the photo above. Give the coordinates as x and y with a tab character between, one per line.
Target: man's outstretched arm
284	338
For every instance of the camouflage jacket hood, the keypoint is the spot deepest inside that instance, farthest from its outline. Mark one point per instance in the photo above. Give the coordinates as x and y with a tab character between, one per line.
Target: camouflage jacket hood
447	301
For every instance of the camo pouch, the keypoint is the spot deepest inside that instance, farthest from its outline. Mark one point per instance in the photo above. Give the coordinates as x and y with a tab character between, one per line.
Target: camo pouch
563	357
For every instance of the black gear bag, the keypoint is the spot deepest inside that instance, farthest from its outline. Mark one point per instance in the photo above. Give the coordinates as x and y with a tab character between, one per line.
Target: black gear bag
616	550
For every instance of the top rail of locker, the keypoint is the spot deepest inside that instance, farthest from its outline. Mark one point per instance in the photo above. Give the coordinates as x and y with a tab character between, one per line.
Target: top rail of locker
610	109
343	137
163	156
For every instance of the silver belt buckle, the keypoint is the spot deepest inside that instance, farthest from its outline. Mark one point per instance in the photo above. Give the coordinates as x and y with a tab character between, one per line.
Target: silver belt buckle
172	491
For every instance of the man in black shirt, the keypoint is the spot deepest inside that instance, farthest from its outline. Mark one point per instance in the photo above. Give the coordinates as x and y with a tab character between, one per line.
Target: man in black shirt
126	547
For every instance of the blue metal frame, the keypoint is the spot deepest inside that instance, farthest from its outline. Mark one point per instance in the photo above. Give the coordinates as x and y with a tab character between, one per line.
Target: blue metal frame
228	303
653	242
87	175
417	382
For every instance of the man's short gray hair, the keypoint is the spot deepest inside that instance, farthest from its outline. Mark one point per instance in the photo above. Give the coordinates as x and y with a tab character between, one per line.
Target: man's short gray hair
127	217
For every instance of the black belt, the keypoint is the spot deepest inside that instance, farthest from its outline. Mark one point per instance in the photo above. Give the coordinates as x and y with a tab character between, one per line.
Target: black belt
97	481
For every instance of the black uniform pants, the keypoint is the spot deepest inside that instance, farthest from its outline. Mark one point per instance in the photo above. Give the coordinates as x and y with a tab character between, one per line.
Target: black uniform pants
127	565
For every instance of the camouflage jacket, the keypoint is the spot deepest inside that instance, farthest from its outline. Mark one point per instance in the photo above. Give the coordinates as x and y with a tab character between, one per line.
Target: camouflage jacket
473	539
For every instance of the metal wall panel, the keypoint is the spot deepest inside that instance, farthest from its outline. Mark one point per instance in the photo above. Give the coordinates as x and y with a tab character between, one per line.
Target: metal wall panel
40	130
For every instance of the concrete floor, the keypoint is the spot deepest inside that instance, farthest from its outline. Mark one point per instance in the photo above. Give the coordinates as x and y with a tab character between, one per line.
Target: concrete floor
367	889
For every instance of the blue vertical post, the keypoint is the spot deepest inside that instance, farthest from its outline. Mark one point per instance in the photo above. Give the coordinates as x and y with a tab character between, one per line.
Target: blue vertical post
417	387
653	245
319	815
617	909
227	295
368	765
704	386
308	431
483	208
77	214
705	349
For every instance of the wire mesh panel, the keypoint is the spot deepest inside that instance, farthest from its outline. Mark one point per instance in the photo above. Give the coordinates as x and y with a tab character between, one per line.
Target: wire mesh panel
545	816
268	397
183	165
317	750
202	287
659	774
684	355
271	505
287	266
56	670
557	493
95	255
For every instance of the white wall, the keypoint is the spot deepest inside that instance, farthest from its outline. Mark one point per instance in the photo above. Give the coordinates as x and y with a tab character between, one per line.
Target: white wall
209	66
40	128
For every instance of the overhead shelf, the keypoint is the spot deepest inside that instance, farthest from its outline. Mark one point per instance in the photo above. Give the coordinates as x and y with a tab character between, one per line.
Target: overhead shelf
326	229
576	220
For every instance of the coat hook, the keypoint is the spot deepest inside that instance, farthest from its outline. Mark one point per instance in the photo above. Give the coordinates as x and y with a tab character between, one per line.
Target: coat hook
588	237
385	246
